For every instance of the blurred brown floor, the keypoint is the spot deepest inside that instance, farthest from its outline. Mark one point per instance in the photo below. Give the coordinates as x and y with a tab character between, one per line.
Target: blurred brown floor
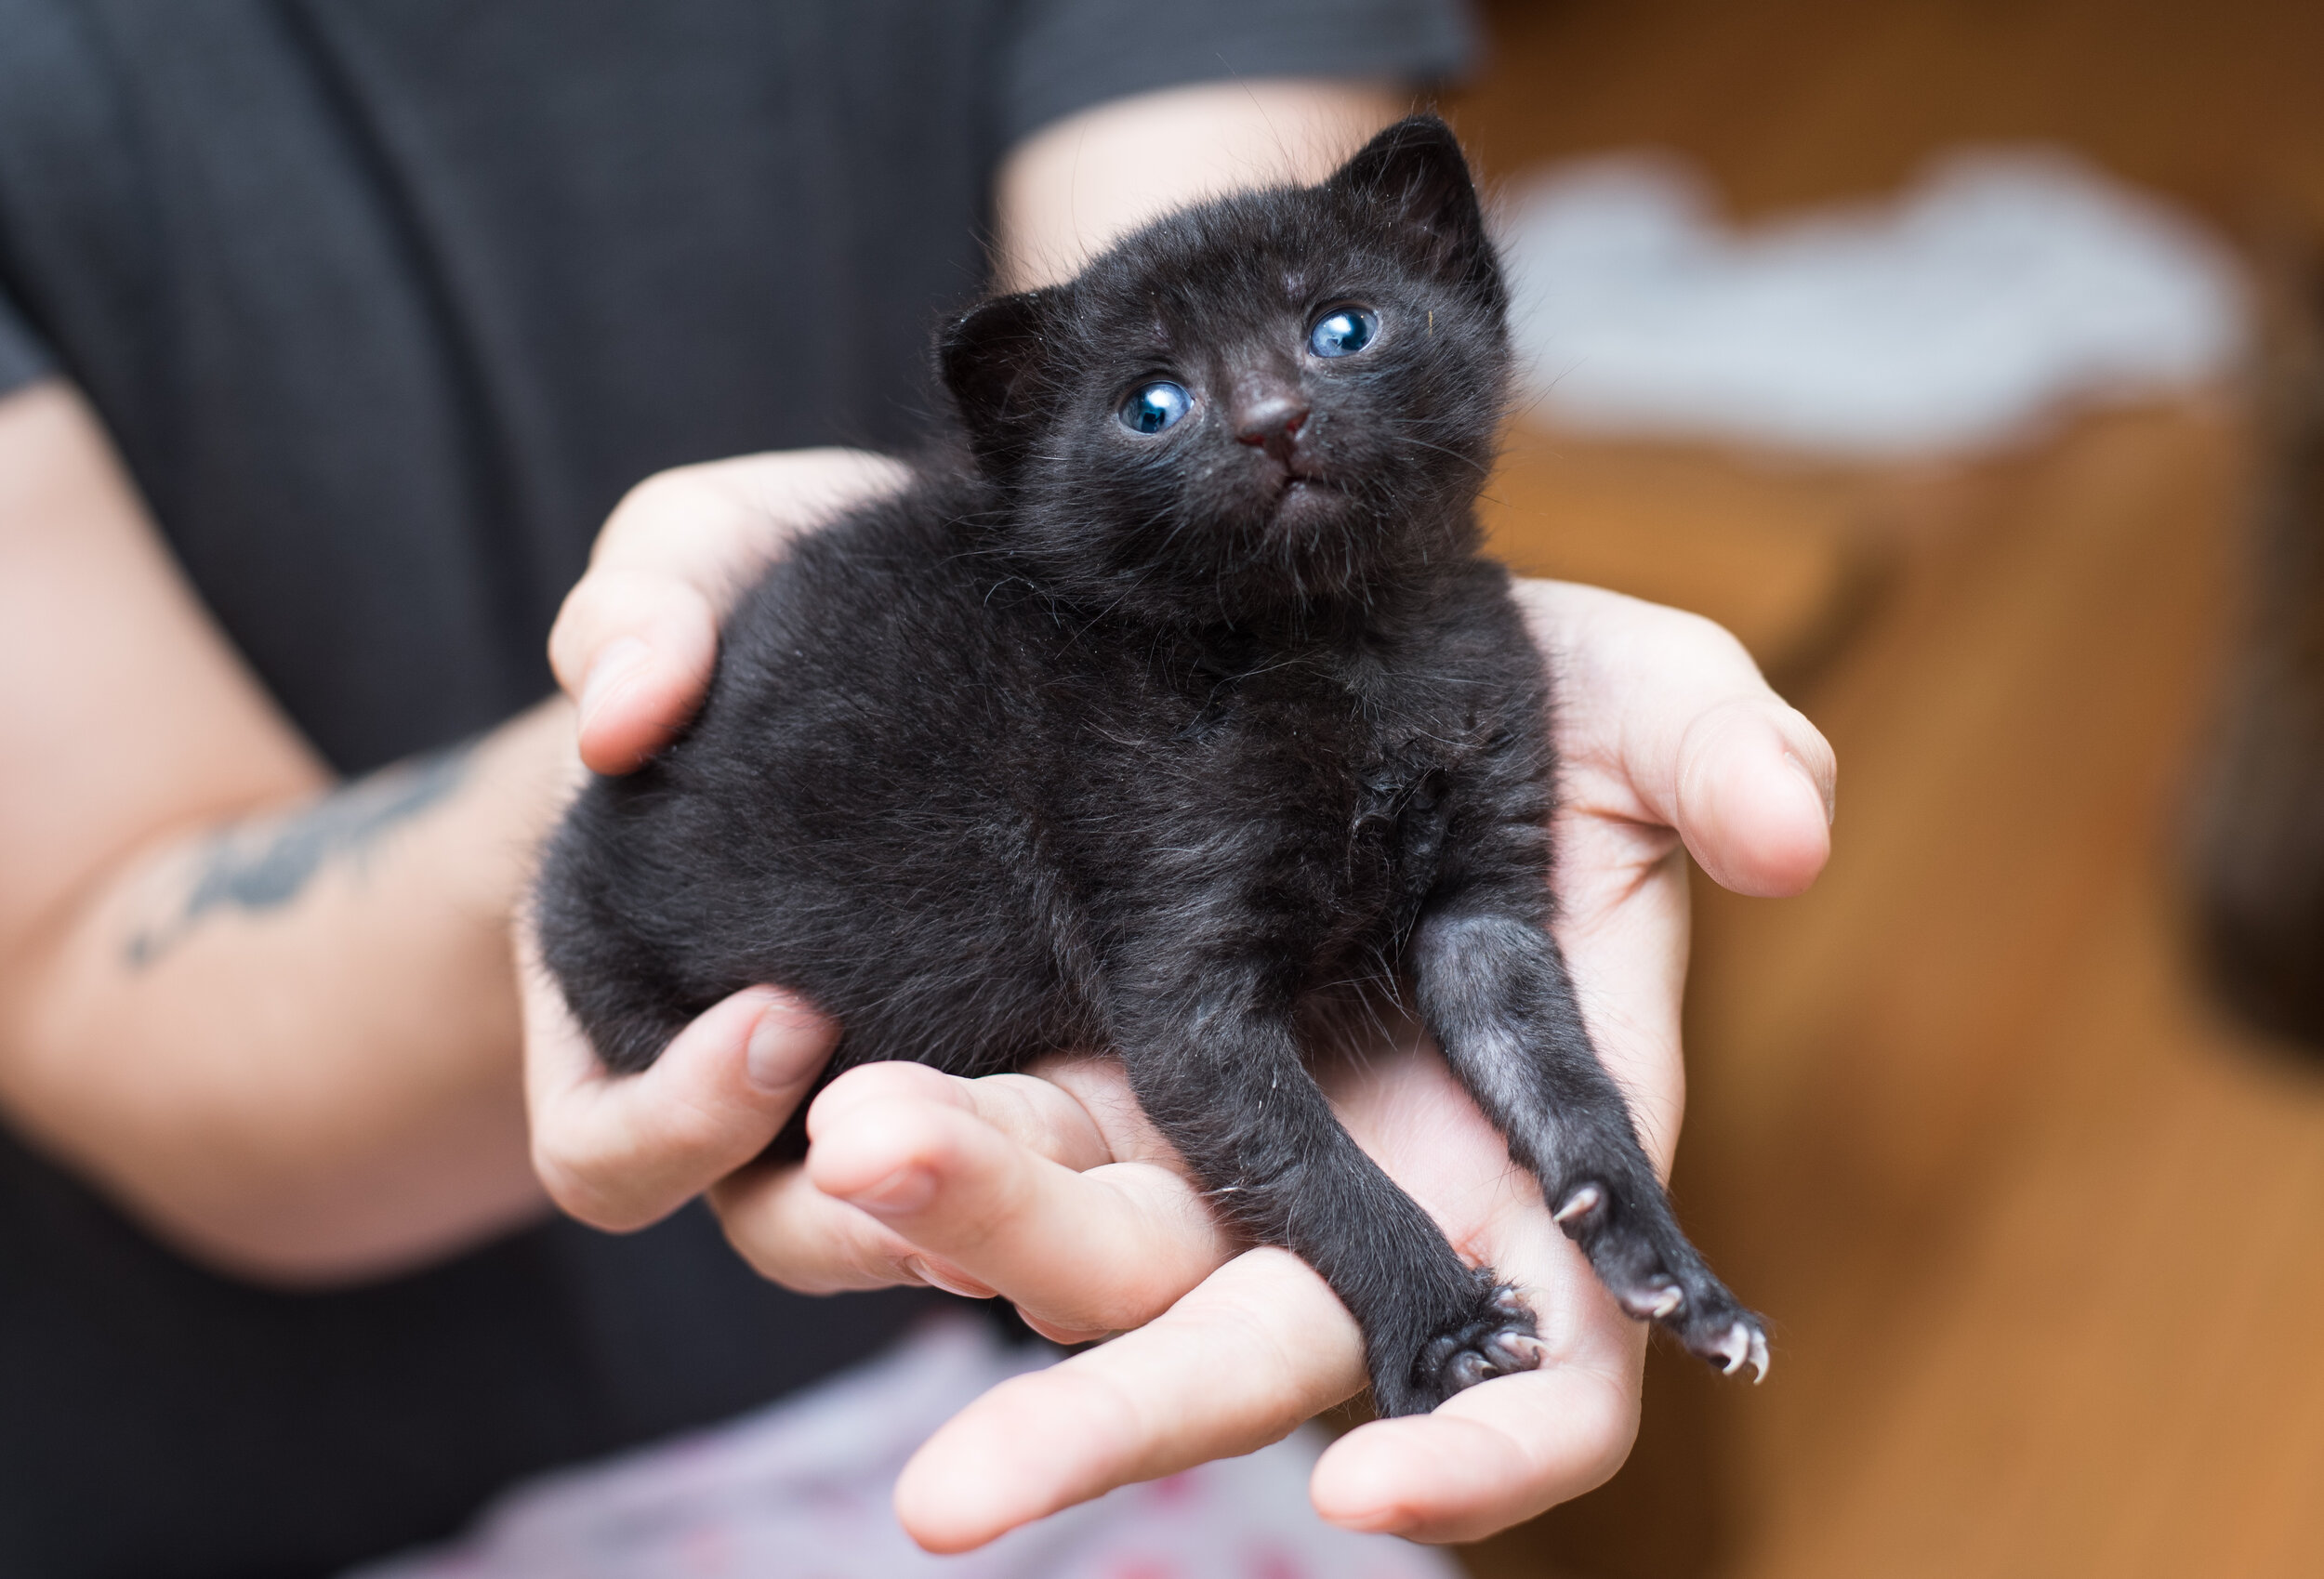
2042	1236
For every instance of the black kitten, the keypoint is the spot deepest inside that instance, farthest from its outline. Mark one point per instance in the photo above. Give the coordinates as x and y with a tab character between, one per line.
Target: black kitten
1187	703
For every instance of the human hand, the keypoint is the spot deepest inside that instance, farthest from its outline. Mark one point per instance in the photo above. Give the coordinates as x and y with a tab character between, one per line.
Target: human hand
1669	737
1054	1193
634	645
634	642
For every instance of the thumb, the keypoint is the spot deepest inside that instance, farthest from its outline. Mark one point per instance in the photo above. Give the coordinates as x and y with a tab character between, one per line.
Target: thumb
622	1150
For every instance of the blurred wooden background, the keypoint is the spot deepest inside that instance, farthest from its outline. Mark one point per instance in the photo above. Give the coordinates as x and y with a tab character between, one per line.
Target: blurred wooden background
2042	1235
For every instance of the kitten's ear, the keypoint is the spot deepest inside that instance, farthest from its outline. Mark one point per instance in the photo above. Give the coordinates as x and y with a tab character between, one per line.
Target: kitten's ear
995	358
1416	172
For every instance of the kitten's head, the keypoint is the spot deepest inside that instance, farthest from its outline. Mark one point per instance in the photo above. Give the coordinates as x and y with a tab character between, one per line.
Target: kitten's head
1280	401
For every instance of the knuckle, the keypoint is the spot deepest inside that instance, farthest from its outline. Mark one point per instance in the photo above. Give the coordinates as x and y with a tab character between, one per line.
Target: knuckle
1697	639
883	1082
692	1129
1712	730
864	1259
648	501
1115	1305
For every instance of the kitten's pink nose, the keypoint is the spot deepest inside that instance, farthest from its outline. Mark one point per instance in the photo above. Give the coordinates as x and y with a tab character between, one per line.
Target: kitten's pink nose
1272	421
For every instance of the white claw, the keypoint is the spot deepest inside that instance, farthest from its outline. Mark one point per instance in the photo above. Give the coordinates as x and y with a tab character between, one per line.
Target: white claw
1745	1345
1669	1300
1532	1350
1582	1202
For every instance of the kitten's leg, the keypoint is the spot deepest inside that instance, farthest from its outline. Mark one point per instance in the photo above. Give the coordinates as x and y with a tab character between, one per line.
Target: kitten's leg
1231	1091
1493	989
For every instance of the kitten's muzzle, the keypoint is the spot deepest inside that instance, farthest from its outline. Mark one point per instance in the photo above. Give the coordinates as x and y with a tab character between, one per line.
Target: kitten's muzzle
1272	423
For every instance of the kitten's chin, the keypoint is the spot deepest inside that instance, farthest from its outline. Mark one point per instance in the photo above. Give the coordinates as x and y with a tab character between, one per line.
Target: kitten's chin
1306	505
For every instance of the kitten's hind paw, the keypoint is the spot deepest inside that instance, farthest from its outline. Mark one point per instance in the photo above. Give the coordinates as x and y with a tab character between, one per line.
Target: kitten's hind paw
1655	1275
1496	1339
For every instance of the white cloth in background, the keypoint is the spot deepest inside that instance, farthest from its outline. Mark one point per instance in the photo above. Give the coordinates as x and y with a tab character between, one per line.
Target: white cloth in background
2004	282
801	1491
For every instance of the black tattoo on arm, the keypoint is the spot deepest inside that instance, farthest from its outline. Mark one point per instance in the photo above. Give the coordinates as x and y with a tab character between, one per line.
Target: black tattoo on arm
266	867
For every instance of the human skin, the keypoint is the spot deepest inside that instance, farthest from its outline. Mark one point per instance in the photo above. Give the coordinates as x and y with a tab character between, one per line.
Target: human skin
324	1086
311	1090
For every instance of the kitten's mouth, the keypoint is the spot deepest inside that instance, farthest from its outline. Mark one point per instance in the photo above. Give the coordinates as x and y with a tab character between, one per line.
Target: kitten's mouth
1291	491
1305	501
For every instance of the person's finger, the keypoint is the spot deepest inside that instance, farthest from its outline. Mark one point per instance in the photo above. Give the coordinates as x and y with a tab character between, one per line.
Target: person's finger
1503	1451
645	645
1752	795
1081	1250
794	1235
1485	1459
620	1151
998	1185
1238	1362
636	638
1033	1112
1262	1344
1664	717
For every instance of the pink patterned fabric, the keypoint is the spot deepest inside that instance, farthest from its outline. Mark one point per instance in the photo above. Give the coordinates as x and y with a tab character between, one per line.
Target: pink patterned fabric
801	1491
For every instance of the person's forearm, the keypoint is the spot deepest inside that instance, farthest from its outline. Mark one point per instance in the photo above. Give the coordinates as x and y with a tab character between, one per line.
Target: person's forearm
288	1043
1076	185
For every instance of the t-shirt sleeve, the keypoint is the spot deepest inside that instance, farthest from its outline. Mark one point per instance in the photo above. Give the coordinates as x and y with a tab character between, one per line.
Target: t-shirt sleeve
22	357
1071	54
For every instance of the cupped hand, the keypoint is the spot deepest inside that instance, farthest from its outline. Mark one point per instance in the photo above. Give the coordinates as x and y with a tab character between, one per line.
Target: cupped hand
1049	1187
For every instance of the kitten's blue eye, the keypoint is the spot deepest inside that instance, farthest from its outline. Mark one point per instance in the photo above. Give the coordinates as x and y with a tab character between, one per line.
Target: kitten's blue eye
1343	330
1156	407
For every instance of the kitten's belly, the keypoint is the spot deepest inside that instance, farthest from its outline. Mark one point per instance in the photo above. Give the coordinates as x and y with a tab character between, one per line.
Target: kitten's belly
970	925
925	933
1292	840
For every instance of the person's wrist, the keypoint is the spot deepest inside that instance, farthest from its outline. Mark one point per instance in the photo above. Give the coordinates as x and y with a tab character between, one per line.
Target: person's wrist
520	778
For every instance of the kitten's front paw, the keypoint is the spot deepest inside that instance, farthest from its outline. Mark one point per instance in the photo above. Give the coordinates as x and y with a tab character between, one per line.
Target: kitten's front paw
1655	1275
1494	1340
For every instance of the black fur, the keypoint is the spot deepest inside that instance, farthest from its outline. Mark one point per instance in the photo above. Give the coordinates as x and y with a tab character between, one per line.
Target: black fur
1150	743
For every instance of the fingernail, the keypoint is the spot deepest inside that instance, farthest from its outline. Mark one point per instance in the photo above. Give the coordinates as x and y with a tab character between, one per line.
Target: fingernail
785	1049
1828	799
618	664
907	1189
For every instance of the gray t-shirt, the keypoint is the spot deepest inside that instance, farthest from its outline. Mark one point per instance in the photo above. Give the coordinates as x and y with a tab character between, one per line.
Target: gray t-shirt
385	303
